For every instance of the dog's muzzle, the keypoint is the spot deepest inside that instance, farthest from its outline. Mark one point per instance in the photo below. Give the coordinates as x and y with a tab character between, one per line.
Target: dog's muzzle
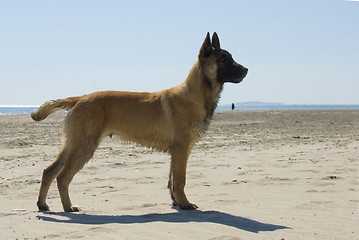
239	74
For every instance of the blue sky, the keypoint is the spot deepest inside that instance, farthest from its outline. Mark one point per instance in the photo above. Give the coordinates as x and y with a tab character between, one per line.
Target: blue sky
297	52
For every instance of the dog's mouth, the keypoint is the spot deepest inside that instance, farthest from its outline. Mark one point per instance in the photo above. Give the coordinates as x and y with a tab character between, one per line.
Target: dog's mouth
233	80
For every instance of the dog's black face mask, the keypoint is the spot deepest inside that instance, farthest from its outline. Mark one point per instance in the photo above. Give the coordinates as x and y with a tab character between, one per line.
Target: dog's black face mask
227	69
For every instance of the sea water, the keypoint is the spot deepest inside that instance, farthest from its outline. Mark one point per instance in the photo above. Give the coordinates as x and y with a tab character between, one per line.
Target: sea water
17	109
285	107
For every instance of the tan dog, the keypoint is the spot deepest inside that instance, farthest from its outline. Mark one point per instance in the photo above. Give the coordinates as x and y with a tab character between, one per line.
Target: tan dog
172	121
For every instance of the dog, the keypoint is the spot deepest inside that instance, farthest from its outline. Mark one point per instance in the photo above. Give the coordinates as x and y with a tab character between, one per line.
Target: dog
171	121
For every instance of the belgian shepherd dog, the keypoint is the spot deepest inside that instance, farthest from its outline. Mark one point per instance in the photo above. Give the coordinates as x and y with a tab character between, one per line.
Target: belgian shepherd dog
171	120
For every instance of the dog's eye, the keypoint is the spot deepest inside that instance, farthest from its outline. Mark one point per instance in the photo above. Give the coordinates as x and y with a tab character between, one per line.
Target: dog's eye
223	59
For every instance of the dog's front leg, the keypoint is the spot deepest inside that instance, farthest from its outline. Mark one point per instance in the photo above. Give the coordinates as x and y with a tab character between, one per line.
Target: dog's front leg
177	179
170	187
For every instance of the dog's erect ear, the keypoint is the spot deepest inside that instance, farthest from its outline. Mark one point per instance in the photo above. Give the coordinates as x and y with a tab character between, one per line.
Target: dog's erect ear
206	48
215	41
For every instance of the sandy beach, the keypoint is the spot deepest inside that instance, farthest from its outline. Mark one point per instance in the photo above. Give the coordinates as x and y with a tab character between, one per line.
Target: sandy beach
286	174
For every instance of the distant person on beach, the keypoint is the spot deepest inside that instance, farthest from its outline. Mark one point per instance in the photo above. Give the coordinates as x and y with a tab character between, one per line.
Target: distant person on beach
233	106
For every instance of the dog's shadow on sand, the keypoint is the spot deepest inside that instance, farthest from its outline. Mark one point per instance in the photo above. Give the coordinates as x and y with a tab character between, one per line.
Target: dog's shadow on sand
181	216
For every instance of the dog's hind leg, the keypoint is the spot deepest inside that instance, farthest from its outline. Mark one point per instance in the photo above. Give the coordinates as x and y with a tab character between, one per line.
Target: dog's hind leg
77	158
179	159
48	177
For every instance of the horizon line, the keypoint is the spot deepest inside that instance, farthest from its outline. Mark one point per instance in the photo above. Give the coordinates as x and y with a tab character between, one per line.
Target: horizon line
21	106
269	103
289	104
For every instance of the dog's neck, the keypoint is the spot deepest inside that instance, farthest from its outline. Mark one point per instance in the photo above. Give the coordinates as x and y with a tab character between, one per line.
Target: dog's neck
196	81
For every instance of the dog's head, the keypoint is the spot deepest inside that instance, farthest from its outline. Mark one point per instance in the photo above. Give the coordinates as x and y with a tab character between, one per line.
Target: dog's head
218	64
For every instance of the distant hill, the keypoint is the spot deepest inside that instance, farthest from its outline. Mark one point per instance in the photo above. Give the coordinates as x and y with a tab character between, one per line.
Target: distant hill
254	103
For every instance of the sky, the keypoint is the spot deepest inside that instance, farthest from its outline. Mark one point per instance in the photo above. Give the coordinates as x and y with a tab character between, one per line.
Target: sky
297	52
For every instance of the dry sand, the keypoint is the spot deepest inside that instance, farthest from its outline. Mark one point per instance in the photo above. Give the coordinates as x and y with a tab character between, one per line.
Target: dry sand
255	175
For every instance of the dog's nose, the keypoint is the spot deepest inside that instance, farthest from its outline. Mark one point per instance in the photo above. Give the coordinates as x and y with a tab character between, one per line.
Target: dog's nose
245	70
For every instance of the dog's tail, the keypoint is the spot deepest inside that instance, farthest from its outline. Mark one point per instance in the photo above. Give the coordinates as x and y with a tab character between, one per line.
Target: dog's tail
53	106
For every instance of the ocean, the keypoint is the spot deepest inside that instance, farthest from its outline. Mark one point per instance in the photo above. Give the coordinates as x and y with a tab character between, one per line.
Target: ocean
248	107
284	107
17	109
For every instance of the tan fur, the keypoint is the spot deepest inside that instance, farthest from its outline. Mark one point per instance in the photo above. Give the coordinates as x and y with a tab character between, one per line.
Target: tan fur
172	121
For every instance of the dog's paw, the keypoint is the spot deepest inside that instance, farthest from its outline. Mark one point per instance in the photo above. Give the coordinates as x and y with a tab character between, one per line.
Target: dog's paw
43	207
174	203
73	209
189	206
